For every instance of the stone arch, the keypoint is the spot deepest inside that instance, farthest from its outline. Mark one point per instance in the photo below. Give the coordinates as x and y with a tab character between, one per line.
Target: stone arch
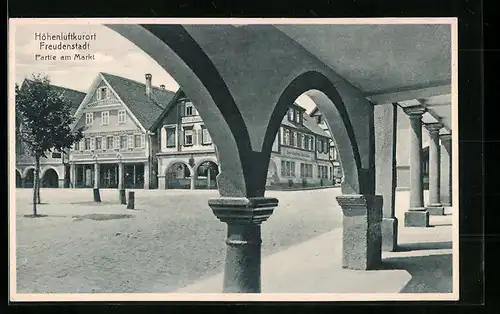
46	168
26	170
50	178
178	161
202	161
174	49
19	179
323	92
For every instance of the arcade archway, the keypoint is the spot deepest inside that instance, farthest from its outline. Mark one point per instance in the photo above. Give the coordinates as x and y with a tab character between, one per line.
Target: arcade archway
19	180
50	179
178	176
206	174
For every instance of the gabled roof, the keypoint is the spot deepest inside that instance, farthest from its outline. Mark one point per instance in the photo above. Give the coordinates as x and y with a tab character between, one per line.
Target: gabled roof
309	124
73	96
314	111
173	102
133	94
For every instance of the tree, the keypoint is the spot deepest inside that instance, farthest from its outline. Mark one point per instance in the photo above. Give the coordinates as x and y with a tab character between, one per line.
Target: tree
44	123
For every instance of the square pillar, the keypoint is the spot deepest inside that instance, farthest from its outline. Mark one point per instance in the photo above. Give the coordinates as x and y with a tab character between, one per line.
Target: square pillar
121	173
385	124
147	179
72	175
417	215
362	234
446	170
243	216
434	206
162	182
96	176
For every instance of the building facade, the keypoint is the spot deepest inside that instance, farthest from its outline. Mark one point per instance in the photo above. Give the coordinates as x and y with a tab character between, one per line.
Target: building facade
118	149
187	156
54	170
139	136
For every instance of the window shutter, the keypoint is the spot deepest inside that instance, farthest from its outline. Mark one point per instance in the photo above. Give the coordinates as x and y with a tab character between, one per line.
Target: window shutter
200	136
104	143
143	140
116	142
181	137
92	143
130	141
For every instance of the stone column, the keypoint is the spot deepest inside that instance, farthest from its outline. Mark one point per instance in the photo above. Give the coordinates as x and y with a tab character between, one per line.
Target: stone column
121	173
385	124
72	176
162	184
446	170
96	176
362	234
146	176
417	216
243	216
434	206
193	181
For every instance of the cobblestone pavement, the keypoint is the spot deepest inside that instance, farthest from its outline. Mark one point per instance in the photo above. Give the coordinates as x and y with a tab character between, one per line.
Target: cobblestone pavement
172	239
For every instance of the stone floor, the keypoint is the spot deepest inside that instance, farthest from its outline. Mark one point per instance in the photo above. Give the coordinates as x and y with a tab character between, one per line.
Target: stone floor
173	243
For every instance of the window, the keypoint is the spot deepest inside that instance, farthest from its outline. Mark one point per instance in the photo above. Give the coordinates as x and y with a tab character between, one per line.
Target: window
322	172
295	139
311	143
288	168
188	137
305	170
123	141
87	143
105	118
89	118
287	137
307	139
318	119
121	116
98	143
170	136
205	136
137	141
102	93
76	146
283	168
290	114
297	116
189	109
319	145
109	142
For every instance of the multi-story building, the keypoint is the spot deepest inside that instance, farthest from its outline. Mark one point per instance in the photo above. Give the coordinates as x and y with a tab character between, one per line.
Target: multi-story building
187	158
54	170
141	136
334	158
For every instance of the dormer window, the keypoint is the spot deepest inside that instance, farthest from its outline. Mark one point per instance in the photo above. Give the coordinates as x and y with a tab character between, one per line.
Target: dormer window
103	93
319	119
89	118
290	114
189	111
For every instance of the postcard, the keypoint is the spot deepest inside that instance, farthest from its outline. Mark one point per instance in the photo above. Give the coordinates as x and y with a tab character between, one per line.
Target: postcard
233	159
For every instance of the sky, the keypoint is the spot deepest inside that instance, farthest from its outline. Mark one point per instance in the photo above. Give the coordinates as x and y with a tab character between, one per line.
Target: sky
113	54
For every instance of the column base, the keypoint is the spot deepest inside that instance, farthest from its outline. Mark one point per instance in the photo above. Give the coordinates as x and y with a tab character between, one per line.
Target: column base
362	234
417	218
435	209
161	183
61	183
389	234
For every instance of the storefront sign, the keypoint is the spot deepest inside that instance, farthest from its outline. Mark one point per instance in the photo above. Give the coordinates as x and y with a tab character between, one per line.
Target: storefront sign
300	154
191	119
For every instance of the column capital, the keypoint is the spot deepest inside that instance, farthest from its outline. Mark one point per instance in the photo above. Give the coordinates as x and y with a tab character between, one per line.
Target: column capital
359	205
242	210
415	112
433	127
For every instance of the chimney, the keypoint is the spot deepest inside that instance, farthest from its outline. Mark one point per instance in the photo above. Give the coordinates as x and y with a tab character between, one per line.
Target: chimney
162	86
149	77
